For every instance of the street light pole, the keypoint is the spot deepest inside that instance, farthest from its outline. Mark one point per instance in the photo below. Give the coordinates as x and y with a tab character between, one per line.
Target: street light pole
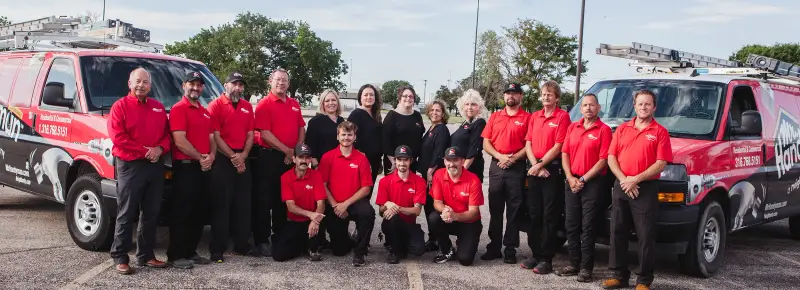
580	54
475	50
351	73
104	10
425	92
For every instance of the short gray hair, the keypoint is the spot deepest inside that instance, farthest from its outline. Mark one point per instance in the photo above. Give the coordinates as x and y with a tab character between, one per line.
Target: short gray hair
471	96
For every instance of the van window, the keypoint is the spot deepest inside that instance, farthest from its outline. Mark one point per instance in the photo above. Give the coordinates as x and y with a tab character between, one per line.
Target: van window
22	93
7	74
63	71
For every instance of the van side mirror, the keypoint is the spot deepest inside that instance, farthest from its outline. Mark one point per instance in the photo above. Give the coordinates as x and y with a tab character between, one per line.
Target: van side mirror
751	124
54	95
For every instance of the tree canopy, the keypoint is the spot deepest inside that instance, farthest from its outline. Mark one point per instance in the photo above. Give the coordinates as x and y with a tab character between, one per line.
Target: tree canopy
788	52
389	91
4	21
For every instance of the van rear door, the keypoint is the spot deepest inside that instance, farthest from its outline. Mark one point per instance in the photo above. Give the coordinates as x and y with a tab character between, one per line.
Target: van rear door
13	150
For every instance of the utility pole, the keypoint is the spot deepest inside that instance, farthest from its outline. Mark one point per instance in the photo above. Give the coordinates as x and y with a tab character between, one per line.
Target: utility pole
104	10
351	73
475	50
580	52
425	92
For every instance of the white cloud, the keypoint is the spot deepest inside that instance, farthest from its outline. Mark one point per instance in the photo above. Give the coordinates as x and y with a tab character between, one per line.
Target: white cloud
362	17
415	44
368	44
710	12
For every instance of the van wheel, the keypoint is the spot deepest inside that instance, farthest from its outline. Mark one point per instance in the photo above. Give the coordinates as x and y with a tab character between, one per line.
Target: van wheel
706	251
89	224
794	227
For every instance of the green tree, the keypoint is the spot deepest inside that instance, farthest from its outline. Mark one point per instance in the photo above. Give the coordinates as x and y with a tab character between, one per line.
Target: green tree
788	52
445	94
489	78
4	21
256	45
389	91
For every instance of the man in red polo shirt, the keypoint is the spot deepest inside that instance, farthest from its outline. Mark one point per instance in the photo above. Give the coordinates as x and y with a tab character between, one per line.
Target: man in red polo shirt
545	199
193	135
139	130
348	181
279	128
401	195
504	140
457	194
638	153
583	158
303	192
232	117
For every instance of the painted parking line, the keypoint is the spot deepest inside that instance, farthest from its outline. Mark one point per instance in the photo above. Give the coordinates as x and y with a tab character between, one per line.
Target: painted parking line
414	276
86	276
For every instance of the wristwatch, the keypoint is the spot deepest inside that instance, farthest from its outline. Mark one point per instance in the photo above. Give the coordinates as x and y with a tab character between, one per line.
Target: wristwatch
582	180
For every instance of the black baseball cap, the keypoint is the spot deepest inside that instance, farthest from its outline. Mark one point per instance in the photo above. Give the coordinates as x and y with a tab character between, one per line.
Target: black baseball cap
302	149
513	87
453	152
194	76
235	77
402	151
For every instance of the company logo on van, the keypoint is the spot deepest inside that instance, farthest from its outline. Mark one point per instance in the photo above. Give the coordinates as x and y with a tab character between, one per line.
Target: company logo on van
787	143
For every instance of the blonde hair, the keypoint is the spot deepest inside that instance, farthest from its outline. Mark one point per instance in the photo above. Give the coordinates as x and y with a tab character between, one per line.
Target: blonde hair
471	96
445	115
324	96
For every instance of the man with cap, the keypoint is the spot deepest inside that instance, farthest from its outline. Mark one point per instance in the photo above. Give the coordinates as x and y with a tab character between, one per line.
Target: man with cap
348	183
232	117
504	140
457	194
304	194
193	135
401	196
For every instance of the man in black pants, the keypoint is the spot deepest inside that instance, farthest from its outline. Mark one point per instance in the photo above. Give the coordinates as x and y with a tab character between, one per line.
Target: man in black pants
639	151
401	196
457	196
280	127
583	158
193	135
233	133
139	129
348	182
304	193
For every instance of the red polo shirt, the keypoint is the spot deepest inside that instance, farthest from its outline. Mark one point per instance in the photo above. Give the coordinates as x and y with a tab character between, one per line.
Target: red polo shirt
546	132
283	118
637	150
345	174
460	195
233	123
586	146
403	193
304	191
507	132
134	125
196	122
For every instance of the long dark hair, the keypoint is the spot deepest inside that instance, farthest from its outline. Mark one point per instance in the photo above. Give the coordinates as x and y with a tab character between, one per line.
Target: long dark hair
376	108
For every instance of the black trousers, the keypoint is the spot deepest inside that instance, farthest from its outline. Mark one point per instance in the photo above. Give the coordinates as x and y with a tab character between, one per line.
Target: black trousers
468	235
583	211
140	186
189	207
293	241
403	237
231	206
545	206
428	206
268	211
477	167
363	214
505	193
642	212
375	165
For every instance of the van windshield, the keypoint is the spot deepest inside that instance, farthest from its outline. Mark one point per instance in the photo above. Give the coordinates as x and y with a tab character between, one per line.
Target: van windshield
105	79
688	109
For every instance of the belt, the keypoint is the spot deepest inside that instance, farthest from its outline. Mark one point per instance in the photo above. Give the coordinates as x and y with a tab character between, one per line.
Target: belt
188	161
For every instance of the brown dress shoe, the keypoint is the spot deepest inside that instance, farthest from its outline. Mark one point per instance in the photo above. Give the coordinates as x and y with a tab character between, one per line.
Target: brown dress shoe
123	269
614	283
153	263
642	287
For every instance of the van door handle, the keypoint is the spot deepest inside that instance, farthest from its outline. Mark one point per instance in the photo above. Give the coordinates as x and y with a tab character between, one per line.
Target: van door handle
33	121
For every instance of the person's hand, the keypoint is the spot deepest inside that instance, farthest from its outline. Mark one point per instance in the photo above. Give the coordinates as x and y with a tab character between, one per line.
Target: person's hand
578	186
238	159
153	153
205	163
571	182
313	229
502	162
240	169
340	209
628	183
534	170
447	215
543	173
316	217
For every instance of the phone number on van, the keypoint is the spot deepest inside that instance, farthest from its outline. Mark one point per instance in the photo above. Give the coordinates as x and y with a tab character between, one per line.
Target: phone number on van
53	130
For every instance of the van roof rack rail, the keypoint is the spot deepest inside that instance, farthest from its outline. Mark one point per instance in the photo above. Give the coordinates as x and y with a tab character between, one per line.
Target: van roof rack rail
76	33
655	59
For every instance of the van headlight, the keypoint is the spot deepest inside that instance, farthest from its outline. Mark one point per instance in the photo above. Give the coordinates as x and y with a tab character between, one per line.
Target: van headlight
674	172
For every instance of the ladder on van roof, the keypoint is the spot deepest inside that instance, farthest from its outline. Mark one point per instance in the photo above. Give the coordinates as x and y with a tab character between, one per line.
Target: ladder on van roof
655	59
76	33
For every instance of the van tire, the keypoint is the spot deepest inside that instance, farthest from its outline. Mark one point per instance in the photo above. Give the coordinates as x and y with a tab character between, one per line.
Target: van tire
794	227
90	225
697	261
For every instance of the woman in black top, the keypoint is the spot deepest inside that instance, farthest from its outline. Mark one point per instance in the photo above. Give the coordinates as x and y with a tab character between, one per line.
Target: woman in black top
468	136
321	133
403	126
367	118
431	157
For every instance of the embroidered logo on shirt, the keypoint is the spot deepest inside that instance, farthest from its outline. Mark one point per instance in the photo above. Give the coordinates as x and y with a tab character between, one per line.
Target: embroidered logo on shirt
157	110
353	165
245	111
650	137
207	116
552	125
296	109
466	126
591	136
411	190
308	186
464	194
518	123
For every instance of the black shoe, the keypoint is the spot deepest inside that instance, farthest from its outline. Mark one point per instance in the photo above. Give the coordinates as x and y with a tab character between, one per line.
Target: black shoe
491	255
510	256
529	263
543	268
431	246
217	258
567	271
265	249
444	257
358	260
200	260
325	245
314	256
392	259
584	276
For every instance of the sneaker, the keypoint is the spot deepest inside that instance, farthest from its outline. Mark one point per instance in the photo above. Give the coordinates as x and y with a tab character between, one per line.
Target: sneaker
252	252
584	276
358	260
642	287
444	257
182	264
200	260
543	268
529	263
217	258
314	256
431	246
491	255
615	283
391	258
510	256
567	271
265	249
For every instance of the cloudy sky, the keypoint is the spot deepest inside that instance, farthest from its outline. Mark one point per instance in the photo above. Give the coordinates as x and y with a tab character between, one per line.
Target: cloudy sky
432	40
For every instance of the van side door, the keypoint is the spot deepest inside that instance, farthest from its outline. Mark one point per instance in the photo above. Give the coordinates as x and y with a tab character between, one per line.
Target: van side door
784	150
13	151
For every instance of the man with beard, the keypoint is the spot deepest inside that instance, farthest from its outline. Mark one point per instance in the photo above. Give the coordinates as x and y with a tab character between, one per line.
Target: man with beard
304	194
139	129
279	128
232	118
504	140
348	183
457	194
401	195
193	135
